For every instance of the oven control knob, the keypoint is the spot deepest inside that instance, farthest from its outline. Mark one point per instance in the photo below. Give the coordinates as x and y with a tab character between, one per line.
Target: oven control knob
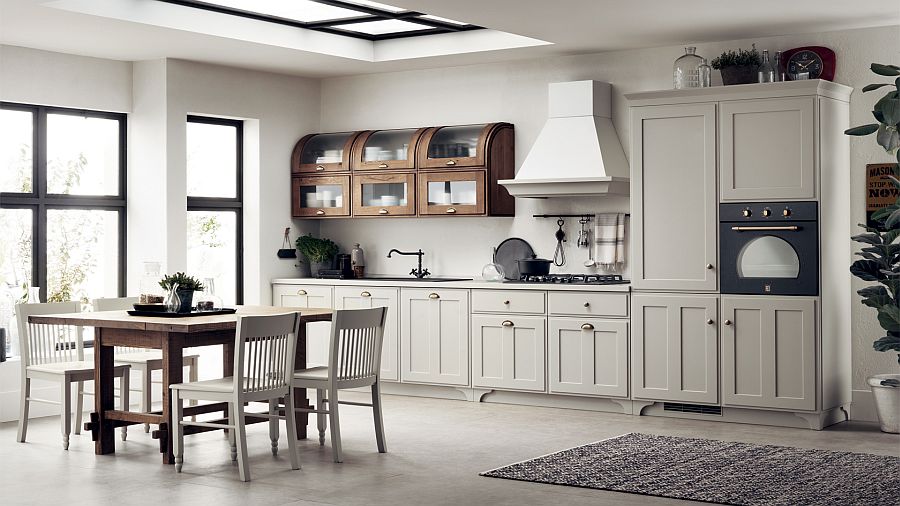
786	212
747	213
766	212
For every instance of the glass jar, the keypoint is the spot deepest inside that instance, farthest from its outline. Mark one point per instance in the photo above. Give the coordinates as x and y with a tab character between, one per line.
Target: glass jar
686	70
151	292
766	72
705	74
208	300
493	272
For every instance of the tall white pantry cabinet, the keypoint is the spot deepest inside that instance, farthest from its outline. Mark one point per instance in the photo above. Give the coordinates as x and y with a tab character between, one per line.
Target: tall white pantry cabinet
761	359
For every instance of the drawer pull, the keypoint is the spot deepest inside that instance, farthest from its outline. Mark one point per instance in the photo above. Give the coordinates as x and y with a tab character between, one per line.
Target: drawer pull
451	162
301	292
382	165
710	321
507	323
433	296
451	210
320	212
709	267
505	302
587	326
587	304
382	211
365	294
319	168
728	322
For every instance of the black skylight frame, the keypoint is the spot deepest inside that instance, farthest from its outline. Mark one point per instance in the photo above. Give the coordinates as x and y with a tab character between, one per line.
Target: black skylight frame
333	26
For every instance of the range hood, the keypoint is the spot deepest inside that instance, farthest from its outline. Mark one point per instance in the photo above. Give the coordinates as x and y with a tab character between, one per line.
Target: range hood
577	152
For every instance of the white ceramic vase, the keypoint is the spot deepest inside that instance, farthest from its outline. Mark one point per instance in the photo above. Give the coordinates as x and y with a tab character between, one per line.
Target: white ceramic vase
887	402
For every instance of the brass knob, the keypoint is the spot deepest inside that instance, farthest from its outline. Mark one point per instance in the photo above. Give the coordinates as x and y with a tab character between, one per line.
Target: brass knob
786	212
451	162
451	210
728	322
382	211
587	304
433	296
507	323
766	212
320	212
709	321
747	213
587	326
365	294
301	292
382	165
320	168
506	302
709	267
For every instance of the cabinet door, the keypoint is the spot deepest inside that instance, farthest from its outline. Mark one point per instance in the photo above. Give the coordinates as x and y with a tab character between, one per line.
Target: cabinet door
451	193
675	348
454	146
769	352
384	194
508	352
359	297
319	153
317	334
673	178
589	356
768	149
434	336
320	196
386	149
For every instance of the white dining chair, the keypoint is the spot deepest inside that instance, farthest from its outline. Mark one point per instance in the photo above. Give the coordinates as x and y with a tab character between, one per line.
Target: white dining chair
263	367
56	353
141	360
354	361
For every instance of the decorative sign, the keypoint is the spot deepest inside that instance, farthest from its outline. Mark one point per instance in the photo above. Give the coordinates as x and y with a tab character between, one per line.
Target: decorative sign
880	192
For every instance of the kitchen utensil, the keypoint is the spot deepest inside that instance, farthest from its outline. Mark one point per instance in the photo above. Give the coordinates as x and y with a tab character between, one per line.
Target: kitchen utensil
590	262
508	252
492	272
534	266
286	250
559	256
584	238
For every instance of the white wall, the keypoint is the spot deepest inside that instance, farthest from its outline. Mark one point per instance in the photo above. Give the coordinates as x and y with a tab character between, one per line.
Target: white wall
517	92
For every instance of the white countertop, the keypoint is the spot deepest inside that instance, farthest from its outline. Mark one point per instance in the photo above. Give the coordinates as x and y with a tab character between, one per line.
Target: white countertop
477	283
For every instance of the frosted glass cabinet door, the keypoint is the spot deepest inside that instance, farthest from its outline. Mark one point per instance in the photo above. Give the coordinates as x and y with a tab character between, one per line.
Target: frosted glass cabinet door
319	153
386	149
320	196
451	193
362	297
384	194
454	146
589	356
434	336
509	352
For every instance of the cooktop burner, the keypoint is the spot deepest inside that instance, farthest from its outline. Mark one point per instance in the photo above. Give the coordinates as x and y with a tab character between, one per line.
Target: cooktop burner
575	279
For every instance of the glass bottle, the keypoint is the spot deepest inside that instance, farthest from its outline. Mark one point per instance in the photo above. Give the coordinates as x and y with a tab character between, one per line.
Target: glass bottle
358	261
686	70
151	292
173	301
208	300
705	74
779	70
766	71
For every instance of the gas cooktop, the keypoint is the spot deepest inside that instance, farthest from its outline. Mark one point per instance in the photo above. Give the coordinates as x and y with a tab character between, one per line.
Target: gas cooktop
574	279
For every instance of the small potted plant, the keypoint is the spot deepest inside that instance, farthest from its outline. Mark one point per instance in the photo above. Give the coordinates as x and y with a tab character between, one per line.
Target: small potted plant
184	287
738	67
319	252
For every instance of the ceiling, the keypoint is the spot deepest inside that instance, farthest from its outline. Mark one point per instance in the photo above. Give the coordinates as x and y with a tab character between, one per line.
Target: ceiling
134	30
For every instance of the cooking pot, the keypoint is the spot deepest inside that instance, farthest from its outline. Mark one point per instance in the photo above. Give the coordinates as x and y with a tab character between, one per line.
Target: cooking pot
534	266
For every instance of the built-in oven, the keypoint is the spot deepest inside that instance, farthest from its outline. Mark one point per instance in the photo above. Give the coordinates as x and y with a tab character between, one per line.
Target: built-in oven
769	248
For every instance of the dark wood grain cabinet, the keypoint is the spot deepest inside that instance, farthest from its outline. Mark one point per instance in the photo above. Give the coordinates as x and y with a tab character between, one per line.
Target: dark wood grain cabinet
317	153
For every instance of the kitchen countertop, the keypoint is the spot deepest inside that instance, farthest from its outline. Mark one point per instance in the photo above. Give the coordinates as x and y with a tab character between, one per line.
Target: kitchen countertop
478	284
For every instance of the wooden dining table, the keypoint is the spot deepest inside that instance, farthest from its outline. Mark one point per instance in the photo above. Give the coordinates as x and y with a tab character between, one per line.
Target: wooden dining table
172	336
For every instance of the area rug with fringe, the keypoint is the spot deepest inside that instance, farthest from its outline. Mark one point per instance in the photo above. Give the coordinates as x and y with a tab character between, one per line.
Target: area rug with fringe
722	472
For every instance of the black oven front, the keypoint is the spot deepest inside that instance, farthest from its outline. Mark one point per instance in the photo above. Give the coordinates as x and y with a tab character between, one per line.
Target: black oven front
769	248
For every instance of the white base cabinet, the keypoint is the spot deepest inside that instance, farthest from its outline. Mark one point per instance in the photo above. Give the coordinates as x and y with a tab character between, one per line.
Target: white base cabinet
317	334
434	336
509	352
588	356
358	297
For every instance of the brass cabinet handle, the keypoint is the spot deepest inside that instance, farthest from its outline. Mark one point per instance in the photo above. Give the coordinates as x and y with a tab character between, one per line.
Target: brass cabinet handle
587	304
320	212
382	165
365	294
505	302
587	326
451	210
451	162
728	322
507	323
433	296
320	168
382	211
710	321
790	228
709	267
301	292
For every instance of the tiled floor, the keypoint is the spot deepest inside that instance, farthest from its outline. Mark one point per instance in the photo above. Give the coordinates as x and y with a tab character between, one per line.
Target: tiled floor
436	449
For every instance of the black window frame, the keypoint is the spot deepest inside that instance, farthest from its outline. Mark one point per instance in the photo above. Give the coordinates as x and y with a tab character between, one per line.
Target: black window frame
232	204
39	201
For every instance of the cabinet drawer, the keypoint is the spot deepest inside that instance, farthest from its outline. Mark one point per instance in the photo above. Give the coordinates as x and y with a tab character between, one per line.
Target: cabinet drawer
303	296
507	301
589	303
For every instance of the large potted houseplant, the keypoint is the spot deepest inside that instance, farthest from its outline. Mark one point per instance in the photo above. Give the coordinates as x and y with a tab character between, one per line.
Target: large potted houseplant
738	67
880	261
183	287
319	252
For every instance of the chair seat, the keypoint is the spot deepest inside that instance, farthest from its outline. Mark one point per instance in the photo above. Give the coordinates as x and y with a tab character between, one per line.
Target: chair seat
141	357
313	374
220	385
86	366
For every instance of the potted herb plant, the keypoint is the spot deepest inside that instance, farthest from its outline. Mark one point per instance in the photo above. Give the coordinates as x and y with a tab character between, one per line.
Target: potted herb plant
184	287
738	67
319	252
880	261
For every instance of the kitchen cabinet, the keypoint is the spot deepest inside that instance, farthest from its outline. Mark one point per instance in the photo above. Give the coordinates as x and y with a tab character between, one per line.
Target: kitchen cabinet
675	350
320	196
673	207
451	193
508	301
386	149
317	334
434	336
767	149
318	153
457	146
362	297
769	352
380	194
508	352
588	356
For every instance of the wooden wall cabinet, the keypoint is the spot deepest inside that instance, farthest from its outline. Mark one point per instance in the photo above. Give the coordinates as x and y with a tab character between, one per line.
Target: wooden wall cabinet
381	194
451	193
320	196
317	153
386	149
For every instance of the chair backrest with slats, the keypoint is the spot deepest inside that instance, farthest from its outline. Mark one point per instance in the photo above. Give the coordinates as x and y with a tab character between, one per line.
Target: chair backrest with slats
355	346
117	304
264	352
48	343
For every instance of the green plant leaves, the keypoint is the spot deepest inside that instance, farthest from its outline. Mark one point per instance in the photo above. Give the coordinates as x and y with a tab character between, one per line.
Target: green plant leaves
888	137
866	270
875	296
870	87
862	130
889	317
868	238
885	70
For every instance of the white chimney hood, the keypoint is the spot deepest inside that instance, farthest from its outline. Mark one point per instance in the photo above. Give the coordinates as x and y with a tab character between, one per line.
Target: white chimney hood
577	152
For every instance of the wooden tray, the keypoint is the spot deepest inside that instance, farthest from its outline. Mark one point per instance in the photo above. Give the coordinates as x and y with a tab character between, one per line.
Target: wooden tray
166	314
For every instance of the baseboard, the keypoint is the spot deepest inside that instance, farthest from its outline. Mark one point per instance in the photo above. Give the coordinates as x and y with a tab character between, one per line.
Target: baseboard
863	407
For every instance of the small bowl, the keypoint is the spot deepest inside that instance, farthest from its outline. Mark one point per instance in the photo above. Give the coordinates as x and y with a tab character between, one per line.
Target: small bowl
156	308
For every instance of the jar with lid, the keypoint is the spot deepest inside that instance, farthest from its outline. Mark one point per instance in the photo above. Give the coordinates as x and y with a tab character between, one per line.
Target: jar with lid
686	70
151	292
358	261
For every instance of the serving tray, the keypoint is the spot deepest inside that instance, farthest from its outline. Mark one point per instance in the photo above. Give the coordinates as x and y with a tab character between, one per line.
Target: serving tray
166	314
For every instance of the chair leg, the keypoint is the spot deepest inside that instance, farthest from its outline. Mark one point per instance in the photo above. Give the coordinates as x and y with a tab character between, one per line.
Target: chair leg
65	399
79	406
273	425
23	410
289	418
192	377
320	417
376	413
124	387
335	425
146	393
175	424
241	436
229	433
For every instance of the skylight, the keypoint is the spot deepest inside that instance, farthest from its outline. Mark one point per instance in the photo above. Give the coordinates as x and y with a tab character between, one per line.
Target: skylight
353	18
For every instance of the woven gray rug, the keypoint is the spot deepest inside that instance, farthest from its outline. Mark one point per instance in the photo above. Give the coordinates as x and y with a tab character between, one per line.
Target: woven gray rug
717	471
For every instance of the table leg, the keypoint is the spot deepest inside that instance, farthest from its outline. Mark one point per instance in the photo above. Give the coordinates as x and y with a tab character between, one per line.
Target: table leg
300	398
172	364
104	395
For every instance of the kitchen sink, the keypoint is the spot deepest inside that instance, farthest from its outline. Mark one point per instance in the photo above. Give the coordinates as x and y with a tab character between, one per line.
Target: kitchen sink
410	278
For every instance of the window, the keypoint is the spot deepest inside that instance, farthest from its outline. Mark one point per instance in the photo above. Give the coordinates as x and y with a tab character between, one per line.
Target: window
62	203
214	204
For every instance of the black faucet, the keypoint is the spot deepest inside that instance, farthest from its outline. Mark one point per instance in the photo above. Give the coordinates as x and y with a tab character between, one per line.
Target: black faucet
419	273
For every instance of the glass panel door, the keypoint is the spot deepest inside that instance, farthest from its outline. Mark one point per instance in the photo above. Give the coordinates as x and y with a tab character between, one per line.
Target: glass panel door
383	195
387	149
323	152
452	193
768	257
321	196
456	146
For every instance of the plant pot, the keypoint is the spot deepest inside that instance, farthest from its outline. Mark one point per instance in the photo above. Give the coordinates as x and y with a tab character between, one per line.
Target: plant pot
315	267
887	402
187	300
740	74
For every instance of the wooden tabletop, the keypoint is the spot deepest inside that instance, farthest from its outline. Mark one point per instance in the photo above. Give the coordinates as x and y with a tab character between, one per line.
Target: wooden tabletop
122	320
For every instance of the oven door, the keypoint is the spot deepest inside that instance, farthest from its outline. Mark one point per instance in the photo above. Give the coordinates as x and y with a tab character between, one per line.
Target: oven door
769	258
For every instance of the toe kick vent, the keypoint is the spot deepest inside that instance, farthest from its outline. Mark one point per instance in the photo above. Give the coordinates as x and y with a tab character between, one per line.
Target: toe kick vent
692	408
